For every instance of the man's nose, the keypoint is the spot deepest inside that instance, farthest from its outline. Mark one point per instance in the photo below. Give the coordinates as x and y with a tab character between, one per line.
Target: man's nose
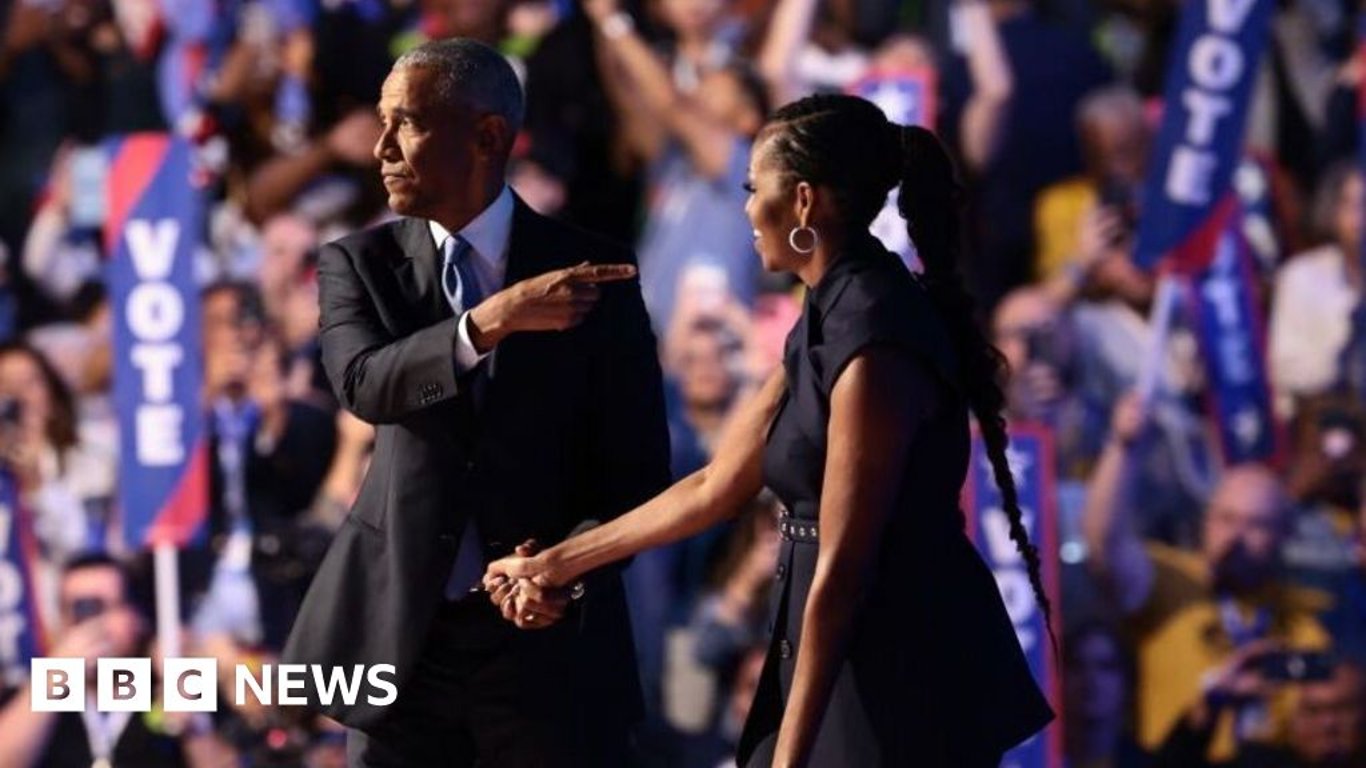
382	144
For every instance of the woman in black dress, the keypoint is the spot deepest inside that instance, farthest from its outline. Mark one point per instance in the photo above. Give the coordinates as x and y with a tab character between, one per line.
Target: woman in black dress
891	646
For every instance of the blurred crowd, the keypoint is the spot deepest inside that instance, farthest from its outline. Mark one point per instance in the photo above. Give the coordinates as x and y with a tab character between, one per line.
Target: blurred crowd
1210	615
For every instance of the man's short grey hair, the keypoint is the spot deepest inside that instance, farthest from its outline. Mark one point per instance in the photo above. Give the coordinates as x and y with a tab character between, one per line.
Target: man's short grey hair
472	75
1109	102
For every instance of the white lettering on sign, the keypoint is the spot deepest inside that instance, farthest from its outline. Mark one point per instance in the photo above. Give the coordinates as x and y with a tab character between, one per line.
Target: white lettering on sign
1011	571
155	314
1221	290
1215	65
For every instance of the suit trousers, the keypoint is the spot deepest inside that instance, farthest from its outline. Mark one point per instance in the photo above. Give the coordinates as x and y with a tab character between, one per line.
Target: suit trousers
471	702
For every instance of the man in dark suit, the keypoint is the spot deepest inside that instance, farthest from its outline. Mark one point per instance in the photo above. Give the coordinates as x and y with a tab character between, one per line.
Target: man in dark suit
504	420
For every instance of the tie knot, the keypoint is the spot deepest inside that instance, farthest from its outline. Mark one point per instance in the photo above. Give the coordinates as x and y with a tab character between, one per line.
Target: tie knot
456	248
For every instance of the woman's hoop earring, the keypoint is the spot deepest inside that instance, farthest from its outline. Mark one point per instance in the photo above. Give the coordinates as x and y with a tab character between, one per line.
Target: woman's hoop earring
792	240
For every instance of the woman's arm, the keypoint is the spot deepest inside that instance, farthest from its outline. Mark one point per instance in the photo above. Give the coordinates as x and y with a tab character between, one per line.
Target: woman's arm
875	407
689	506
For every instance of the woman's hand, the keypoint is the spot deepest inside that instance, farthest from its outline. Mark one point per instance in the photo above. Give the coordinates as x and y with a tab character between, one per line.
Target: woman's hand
527	565
525	590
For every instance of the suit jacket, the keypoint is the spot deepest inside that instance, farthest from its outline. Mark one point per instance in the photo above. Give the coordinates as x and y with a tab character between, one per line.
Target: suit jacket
569	427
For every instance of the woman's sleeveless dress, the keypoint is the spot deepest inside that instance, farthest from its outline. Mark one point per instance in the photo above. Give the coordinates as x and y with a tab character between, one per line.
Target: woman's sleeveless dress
934	675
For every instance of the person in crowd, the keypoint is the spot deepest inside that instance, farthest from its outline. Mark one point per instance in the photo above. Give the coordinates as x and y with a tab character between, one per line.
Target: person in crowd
1036	337
268	457
289	298
1051	69
1315	292
1326	728
61	252
1323	475
696	144
726	633
97	620
1189	611
729	618
355	448
869	420
40	446
1082	220
1097	696
287	240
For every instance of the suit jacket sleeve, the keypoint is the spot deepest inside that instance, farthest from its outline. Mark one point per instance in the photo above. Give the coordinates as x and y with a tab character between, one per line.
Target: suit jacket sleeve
378	377
631	437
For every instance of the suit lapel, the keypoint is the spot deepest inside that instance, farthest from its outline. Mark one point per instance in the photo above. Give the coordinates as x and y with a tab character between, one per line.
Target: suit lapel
526	252
528	256
416	272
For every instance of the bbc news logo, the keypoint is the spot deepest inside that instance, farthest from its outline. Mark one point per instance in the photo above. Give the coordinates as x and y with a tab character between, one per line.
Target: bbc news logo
191	684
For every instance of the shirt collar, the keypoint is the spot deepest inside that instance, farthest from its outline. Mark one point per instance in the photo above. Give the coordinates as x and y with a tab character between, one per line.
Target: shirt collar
862	252
486	233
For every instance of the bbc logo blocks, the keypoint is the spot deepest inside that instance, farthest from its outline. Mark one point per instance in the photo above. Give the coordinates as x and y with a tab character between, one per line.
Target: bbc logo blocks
123	685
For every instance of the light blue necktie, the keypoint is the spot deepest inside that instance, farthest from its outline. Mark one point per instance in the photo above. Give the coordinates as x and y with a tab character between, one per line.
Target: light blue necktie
457	278
462	291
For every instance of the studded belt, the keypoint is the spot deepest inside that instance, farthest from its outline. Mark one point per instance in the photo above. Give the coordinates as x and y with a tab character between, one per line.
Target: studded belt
799	530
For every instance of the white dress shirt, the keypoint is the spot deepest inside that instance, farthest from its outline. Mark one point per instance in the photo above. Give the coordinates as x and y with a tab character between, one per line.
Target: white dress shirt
488	235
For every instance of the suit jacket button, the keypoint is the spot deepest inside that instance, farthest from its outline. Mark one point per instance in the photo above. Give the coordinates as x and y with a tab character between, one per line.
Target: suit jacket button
785	650
781	572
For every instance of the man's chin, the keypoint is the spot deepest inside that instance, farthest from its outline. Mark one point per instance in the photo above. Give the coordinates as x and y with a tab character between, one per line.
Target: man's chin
403	205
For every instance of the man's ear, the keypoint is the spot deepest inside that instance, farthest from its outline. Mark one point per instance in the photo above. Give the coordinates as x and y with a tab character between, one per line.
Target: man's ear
493	137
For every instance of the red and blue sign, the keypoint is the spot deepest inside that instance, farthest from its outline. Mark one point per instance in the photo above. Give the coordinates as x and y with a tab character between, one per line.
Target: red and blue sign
155	224
21	634
1031	463
1209	87
1225	310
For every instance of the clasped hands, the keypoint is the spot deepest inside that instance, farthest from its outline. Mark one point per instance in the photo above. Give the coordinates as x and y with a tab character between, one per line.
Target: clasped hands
525	590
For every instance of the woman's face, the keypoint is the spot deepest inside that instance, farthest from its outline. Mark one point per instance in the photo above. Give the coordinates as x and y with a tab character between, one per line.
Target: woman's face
22	380
772	211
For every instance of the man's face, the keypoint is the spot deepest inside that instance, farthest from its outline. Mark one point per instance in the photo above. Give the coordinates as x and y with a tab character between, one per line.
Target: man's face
1327	723
96	593
426	150
1118	147
1243	530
